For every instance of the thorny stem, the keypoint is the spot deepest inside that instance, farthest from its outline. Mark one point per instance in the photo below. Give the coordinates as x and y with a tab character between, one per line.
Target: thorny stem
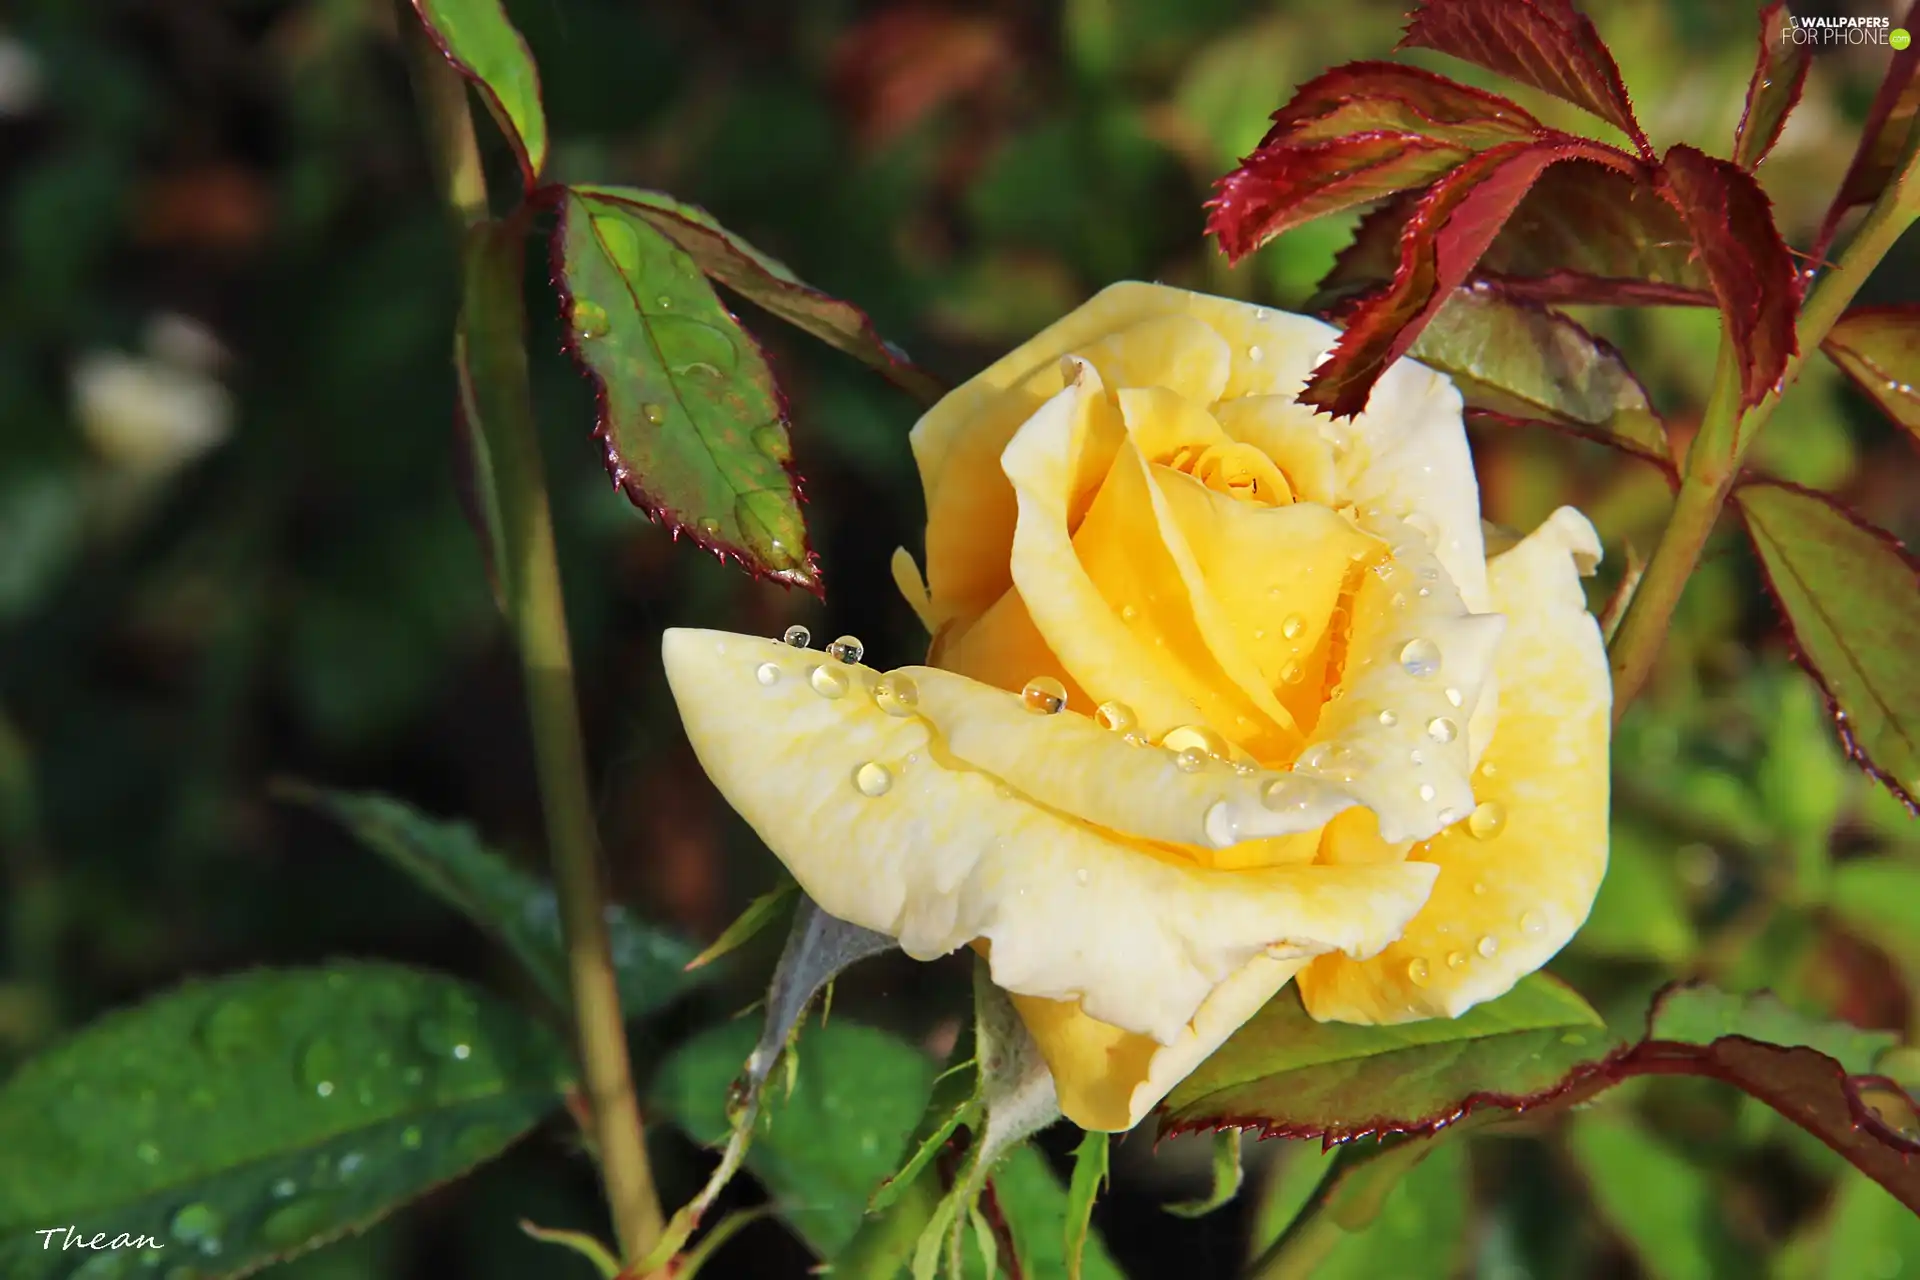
1713	461
494	341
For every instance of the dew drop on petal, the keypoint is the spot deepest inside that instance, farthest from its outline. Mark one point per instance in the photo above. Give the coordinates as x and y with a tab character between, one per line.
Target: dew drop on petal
1418	970
1479	888
873	779
1441	729
1198	737
1255	354
1456	959
1533	922
1426	791
1291	673
1117	716
1420	658
1453	697
1448	816
1128	613
1082	875
1488	819
1488	946
767	673
1417	756
1293	626
1190	760
1222	824
896	695
1388	719
827	681
798	636
847	649
1044	696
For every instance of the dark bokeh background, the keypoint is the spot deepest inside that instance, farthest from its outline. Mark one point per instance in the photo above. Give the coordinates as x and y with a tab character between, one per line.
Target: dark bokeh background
231	547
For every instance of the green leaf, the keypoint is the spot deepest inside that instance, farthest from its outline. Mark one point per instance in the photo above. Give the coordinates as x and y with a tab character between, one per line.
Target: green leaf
955	1101
1657	1200
769	283
1291	1076
1779	74
1227	1176
1640	913
1701	1015
1880	899
521	910
1035	1204
1879	348
1091	1170
246	1119
749	924
1851	596
694	427
821	1149
1870	1233
1521	361
483	45
1417	1232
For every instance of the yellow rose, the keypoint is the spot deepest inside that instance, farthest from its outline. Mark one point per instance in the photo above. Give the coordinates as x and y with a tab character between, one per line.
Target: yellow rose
1310	731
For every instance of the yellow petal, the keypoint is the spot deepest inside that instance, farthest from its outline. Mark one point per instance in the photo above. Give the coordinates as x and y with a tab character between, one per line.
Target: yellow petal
1504	904
939	854
1002	648
1286	431
1414	669
912	588
1108	1079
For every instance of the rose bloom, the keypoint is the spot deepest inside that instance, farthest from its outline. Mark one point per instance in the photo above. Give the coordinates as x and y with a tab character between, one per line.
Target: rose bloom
1222	694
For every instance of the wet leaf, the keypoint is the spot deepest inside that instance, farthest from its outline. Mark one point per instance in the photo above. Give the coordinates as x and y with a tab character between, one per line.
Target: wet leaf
449	861
820	1149
1746	261
693	425
1544	43
1778	77
244	1120
1521	362
483	46
1662	1204
1287	1075
1879	348
1702	1015
1851	597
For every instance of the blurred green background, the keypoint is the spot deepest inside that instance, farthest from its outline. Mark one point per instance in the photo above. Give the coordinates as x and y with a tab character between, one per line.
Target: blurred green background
232	547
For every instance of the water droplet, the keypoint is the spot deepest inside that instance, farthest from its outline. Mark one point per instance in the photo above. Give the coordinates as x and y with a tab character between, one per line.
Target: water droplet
873	779
1293	627
1488	946
767	673
1533	922
1417	756
664	302
1388	719
1222	824
350	1164
297	1221
828	681
897	695
1426	792
1453	697
1573	1037
1478	888
284	1188
230	1029
1418	970
1456	959
1255	354
653	413
1199	738
773	442
1044	696
1082	876
147	1153
1488	819
1420	658
1891	1108
320	1065
1190	760
1117	716
589	320
450	1033
196	1221
797	636
1128	613
411	1137
1441	729
847	649
1292	674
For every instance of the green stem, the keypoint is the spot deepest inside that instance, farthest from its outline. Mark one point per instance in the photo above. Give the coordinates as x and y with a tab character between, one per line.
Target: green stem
1726	432
1345	1202
496	396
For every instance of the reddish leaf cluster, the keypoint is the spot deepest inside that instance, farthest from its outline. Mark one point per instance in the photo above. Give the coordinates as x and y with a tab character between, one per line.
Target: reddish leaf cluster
1478	189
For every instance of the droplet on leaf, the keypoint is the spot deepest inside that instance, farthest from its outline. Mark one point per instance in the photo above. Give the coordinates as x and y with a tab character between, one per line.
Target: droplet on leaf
653	413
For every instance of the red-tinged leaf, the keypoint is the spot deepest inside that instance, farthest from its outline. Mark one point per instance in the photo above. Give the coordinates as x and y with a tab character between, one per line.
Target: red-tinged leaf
771	284
1851	596
483	46
1544	43
1281	186
1883	138
1879	348
1440	246
1586	232
1752	274
1363	96
694	427
1778	78
1289	1076
1518	362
